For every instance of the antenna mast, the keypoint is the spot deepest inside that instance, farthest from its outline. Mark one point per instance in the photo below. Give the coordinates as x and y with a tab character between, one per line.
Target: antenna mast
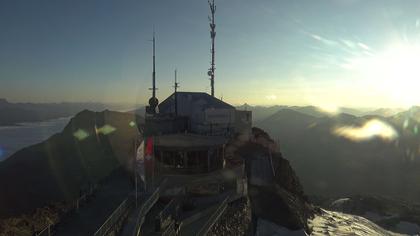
176	86
213	37
154	65
153	101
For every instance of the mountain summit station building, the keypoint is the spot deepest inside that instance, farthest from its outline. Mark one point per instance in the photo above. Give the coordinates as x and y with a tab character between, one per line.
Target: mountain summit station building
190	131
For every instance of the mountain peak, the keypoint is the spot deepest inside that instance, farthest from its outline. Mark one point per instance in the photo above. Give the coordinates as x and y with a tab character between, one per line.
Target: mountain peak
3	101
414	109
287	114
291	112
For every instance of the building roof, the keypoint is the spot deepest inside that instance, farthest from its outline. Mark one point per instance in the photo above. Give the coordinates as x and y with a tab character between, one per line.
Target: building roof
188	141
211	101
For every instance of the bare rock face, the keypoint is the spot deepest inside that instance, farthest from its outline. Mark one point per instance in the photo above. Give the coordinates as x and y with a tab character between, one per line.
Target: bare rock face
274	189
27	224
236	220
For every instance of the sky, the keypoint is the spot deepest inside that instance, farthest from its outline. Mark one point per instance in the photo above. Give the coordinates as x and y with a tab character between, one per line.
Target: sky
330	53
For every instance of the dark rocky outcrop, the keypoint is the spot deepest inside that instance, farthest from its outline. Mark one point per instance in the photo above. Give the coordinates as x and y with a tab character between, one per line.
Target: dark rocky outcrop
274	189
236	220
90	147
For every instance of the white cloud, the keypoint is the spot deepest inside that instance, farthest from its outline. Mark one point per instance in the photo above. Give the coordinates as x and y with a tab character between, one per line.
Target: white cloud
323	40
364	46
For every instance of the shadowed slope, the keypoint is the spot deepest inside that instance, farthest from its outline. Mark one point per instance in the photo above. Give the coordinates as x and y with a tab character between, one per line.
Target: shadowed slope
89	148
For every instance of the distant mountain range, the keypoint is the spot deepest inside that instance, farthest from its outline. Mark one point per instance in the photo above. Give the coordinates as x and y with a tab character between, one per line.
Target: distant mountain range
327	163
261	112
335	165
94	144
14	113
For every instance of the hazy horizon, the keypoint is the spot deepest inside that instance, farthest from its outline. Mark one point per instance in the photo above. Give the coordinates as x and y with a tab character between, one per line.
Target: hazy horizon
143	104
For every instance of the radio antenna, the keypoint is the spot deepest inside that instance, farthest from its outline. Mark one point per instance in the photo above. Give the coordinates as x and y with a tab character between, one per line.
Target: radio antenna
153	101
213	37
154	66
176	86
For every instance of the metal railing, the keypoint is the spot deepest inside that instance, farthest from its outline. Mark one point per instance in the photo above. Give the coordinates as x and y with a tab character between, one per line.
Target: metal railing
168	214
214	217
113	219
170	230
146	206
47	231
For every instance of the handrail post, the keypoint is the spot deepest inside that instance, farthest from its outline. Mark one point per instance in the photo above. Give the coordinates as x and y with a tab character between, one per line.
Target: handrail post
135	174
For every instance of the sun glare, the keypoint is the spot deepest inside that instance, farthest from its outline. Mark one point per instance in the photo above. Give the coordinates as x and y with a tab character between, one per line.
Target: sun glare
395	71
371	129
329	108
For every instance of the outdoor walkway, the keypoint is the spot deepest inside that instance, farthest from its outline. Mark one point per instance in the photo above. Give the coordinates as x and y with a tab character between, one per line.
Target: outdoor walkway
131	221
94	213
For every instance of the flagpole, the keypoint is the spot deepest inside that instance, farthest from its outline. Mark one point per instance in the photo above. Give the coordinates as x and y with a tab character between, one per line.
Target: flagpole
135	166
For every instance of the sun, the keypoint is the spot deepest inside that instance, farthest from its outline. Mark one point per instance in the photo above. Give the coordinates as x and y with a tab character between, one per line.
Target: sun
400	64
395	71
400	70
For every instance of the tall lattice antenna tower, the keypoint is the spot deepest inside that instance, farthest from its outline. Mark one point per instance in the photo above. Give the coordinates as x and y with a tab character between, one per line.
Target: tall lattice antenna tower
213	37
154	66
153	101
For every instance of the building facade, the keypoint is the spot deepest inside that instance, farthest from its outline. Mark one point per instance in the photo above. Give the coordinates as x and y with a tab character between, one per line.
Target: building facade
207	115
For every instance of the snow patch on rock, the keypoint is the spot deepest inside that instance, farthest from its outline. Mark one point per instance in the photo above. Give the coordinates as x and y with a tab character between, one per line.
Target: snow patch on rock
335	223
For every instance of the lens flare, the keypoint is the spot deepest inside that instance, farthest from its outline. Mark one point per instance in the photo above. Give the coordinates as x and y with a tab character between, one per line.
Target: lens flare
329	108
371	129
406	124
81	134
106	129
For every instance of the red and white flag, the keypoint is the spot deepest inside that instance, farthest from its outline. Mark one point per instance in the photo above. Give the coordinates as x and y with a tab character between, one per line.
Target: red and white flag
149	161
140	161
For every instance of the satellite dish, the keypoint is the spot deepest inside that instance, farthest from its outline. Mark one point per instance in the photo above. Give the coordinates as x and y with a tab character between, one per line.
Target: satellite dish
209	73
153	102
